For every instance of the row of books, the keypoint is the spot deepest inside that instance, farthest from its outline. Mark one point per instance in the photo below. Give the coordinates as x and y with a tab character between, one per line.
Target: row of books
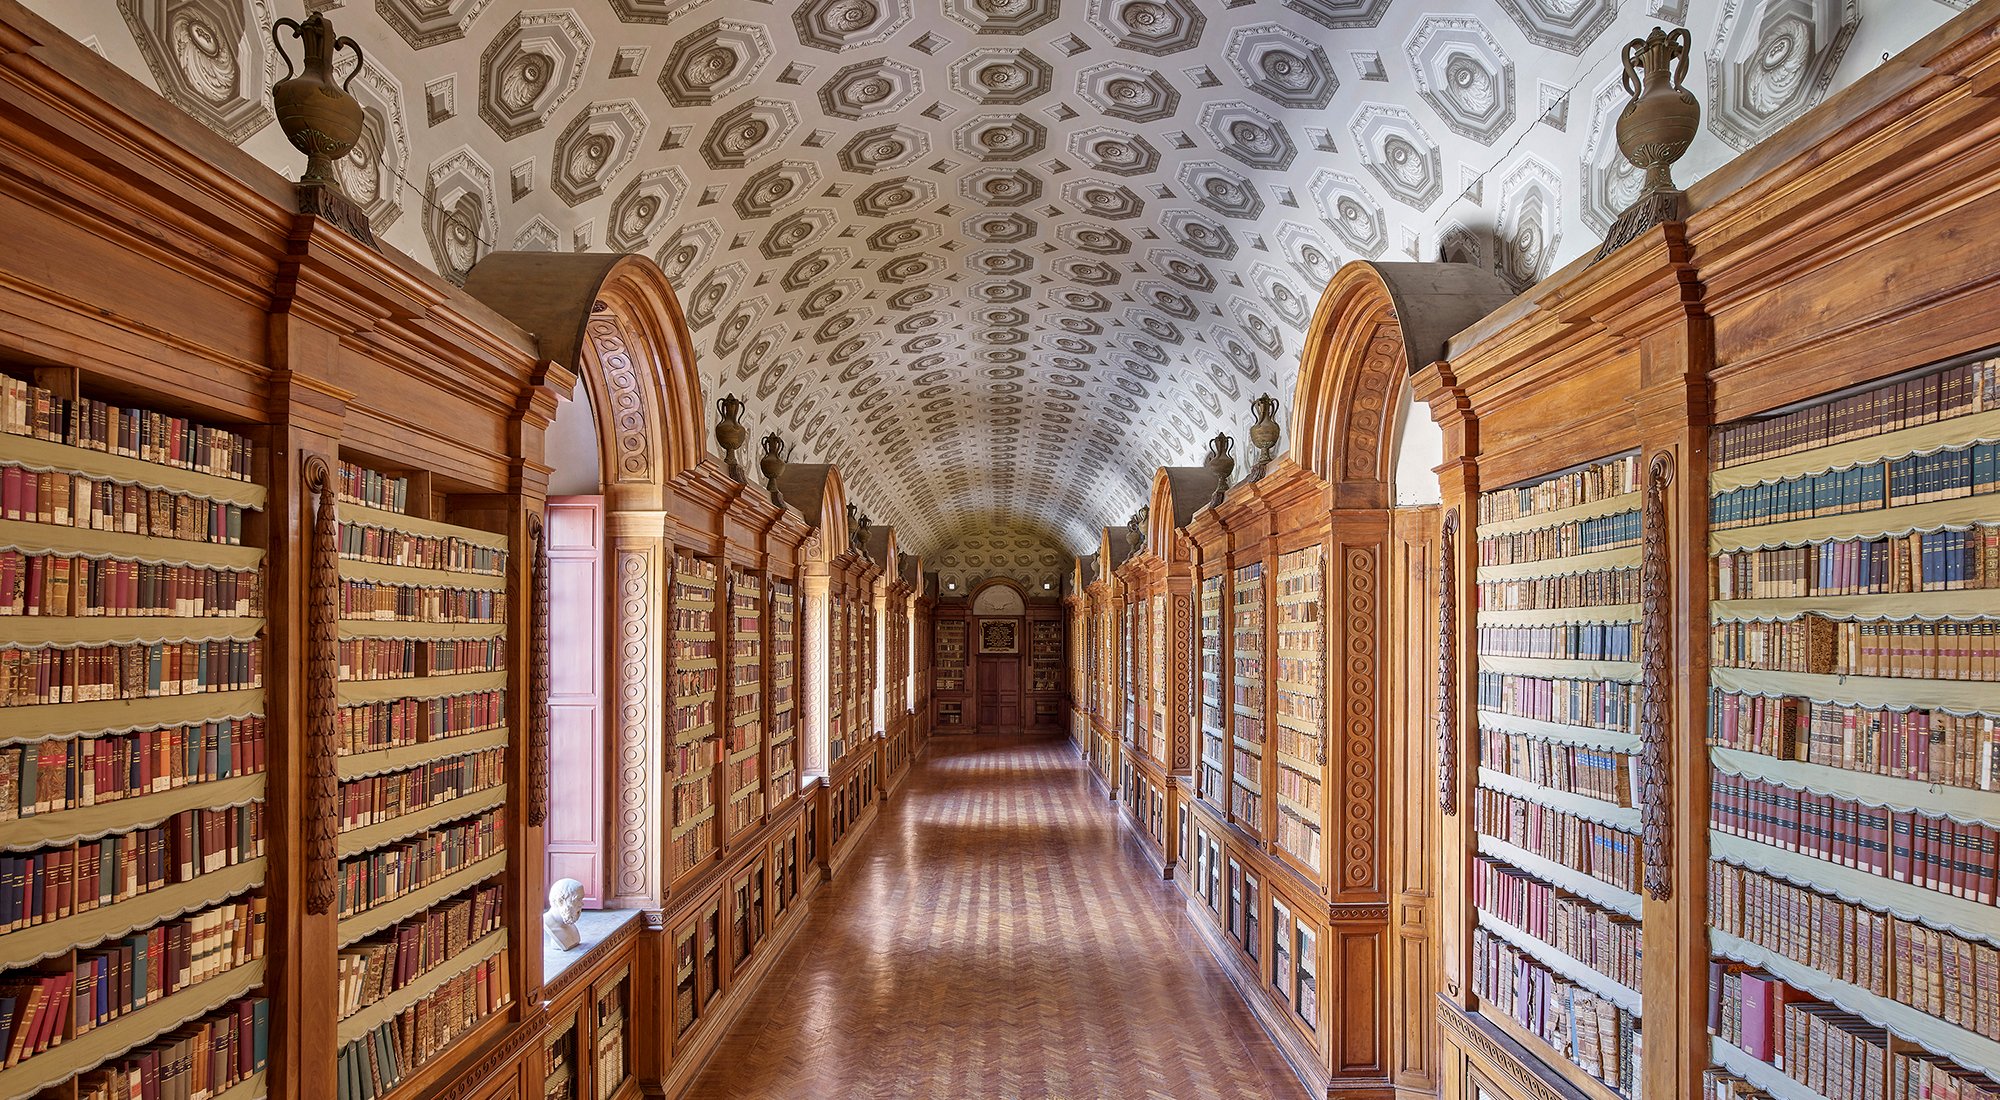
1605	853
691	718
1921	561
30	410
1942	974
1923	649
1298	836
390	546
196	1060
380	965
411	603
1609	943
1920	743
379	798
60	498
689	683
1573	769
63	585
1564	540
1246	807
1827	1049
123	975
81	674
68	773
1301	745
405	658
1300	787
1905	403
371	489
690	849
691	646
1935	853
1588	1031
1599	704
1565	642
692	796
387	873
57	883
370	1068
1591	588
367	727
1614	477
1950	474
688	759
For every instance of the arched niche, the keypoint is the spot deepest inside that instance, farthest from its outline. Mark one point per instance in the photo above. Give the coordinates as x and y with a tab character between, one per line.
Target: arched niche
999	598
1377	324
817	491
615	320
1178	493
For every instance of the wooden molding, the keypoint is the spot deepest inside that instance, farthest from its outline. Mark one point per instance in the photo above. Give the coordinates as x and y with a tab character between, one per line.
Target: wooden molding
322	690
1447	664
1656	701
538	676
1491	1049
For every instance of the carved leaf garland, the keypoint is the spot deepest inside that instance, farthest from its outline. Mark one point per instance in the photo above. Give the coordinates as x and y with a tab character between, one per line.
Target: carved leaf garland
1656	706
1447	670
538	678
322	686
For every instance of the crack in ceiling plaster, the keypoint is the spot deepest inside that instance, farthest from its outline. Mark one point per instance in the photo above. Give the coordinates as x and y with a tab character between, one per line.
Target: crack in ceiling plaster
1001	258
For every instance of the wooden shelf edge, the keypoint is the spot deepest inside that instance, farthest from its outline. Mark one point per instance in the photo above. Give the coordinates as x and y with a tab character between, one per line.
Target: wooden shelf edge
1959	431
126	814
414	525
369	1017
419	687
43	721
42	454
31	537
370	921
37	942
1960	803
70	631
360	765
1596	509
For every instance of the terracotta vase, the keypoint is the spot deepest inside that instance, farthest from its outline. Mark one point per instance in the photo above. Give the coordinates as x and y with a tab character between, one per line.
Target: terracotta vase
318	116
1663	117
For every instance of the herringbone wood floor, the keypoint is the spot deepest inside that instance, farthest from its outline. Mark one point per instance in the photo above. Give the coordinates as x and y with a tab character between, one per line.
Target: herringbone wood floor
996	938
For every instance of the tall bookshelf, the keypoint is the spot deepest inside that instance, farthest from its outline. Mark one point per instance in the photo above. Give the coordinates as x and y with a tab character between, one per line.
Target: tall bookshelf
1132	615
1853	723
1157	664
784	692
697	680
1298	709
1045	655
132	833
1246	777
861	667
1554	878
948	670
743	748
1215	749
839	672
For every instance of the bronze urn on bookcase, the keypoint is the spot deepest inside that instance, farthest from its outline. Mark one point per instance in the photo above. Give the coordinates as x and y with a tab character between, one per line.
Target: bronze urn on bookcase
321	119
1654	130
1221	462
1263	433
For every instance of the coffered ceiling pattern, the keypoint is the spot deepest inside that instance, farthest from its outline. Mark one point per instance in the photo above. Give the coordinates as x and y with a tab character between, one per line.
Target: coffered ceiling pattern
1000	258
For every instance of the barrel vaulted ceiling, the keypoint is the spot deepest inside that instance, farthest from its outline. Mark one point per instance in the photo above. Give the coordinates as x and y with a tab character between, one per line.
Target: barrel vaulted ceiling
1000	258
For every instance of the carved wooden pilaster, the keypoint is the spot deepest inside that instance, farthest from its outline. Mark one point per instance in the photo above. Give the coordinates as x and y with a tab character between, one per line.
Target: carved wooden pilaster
1447	671
1357	852
813	654
1183	677
635	865
1656	704
322	689
538	676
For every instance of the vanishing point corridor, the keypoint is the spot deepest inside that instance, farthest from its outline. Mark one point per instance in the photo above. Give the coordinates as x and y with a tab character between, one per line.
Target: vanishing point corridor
995	937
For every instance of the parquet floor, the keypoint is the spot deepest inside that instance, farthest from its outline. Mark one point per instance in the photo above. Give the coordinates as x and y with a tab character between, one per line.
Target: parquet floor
996	938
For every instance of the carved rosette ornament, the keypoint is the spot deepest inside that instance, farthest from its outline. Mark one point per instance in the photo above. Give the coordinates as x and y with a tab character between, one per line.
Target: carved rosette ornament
1184	676
538	677
1654	130
1656	787
1447	685
322	819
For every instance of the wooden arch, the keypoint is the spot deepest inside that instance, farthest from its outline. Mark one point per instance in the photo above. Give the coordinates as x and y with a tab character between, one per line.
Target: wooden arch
817	491
616	321
1377	324
1178	493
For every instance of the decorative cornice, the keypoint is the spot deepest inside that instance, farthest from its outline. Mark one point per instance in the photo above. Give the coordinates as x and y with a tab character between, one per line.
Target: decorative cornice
1656	716
502	1052
1472	1033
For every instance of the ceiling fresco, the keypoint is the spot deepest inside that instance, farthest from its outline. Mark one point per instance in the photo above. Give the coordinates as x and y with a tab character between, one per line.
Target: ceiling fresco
999	259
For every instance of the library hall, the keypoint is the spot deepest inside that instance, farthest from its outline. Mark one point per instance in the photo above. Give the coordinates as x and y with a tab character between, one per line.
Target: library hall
1014	549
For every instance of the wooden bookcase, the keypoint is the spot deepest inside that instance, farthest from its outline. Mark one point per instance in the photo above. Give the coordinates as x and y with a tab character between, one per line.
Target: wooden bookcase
743	744
950	631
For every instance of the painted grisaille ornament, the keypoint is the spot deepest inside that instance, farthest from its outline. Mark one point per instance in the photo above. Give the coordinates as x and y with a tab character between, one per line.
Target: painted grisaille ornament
321	119
1654	130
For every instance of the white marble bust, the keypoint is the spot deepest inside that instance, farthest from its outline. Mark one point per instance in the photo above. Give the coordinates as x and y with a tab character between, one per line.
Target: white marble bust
565	905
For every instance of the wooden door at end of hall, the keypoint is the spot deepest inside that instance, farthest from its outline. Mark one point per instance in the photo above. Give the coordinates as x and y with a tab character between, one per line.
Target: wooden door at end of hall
999	687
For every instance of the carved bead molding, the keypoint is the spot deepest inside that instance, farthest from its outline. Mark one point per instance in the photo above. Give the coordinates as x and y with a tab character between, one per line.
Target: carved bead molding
322	686
633	816
1360	634
538	677
629	424
1184	677
1656	785
1447	672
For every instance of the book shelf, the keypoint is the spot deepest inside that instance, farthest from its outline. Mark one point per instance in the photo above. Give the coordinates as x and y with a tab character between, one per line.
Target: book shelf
562	1061
1156	675
1045	639
1246	777
422	768
743	747
133	740
1852	734
1557	942
1299	708
697	680
1130	628
612	1059
784	692
1215	754
861	668
948	670
839	673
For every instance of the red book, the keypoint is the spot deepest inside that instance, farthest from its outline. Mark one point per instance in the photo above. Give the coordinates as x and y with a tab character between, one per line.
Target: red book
1761	997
